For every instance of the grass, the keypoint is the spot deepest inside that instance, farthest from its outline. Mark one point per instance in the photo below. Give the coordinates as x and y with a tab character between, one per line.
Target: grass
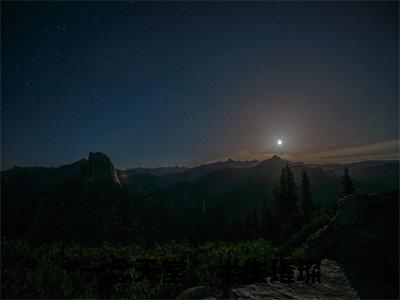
74	271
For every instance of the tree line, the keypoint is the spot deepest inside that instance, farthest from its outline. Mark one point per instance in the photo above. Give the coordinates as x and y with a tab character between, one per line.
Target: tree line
286	211
280	217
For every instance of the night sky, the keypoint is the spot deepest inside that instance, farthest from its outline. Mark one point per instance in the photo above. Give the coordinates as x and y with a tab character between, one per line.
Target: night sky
164	83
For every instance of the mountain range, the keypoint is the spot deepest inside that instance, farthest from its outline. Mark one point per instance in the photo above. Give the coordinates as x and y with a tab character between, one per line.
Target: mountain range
80	201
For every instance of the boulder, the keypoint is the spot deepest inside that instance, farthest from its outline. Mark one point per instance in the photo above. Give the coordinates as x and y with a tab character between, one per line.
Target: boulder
199	292
334	285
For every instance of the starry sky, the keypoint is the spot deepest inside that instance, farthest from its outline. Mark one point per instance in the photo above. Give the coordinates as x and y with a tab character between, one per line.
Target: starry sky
168	83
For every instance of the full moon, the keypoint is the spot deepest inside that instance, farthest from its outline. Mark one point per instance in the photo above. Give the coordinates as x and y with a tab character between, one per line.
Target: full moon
279	142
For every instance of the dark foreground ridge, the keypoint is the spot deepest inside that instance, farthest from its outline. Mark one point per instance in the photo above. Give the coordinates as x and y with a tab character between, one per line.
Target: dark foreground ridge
335	285
83	230
360	249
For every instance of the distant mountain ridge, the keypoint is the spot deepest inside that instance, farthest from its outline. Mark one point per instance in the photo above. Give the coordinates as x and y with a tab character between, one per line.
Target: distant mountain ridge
158	171
379	171
78	201
237	189
99	165
204	169
176	173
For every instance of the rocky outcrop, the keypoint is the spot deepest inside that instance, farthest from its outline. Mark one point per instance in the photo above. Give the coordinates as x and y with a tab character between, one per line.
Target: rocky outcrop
334	285
199	292
100	166
364	236
75	202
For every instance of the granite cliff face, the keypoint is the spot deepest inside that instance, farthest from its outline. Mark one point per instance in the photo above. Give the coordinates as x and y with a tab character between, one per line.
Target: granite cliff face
100	166
72	202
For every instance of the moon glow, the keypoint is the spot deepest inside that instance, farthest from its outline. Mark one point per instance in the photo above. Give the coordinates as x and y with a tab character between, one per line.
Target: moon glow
279	142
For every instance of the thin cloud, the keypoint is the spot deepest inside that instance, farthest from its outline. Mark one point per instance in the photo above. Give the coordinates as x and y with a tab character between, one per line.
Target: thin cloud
382	150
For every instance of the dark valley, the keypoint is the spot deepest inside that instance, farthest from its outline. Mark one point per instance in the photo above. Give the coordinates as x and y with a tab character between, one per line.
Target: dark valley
90	203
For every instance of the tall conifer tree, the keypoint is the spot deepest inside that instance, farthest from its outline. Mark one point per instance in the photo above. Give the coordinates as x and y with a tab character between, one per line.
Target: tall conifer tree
348	186
286	195
305	194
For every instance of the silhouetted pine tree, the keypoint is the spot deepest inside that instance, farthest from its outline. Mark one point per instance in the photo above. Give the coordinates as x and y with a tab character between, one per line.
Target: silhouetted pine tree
348	186
305	194
286	195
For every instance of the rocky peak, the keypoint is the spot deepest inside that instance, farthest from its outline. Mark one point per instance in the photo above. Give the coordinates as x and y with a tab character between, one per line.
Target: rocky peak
274	161
100	166
275	157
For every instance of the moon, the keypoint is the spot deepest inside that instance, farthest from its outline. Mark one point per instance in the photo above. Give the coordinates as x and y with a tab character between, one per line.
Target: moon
279	142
